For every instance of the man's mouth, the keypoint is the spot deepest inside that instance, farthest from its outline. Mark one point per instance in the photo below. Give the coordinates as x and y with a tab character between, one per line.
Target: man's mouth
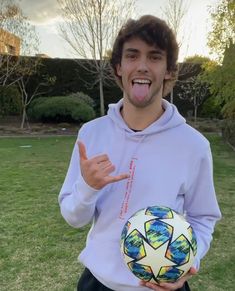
141	81
140	88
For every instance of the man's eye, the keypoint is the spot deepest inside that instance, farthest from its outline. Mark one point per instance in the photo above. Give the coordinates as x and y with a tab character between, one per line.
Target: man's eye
131	56
156	57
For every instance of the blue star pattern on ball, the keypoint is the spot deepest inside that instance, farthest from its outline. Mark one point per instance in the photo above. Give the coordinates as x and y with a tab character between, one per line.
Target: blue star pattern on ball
157	232
160	212
141	271
169	274
134	245
179	250
193	240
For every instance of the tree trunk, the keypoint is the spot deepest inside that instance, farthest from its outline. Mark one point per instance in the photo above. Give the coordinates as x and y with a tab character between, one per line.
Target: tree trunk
101	97
195	109
172	96
195	114
23	118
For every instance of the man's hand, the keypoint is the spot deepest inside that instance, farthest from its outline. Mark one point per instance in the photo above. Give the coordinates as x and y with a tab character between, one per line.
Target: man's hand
96	171
170	286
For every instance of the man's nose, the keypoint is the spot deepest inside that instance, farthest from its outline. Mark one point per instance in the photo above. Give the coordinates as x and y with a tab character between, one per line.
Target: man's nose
142	65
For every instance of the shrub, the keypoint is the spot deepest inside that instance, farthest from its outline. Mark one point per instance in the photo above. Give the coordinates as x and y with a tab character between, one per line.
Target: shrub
210	108
60	109
84	97
228	110
10	101
228	131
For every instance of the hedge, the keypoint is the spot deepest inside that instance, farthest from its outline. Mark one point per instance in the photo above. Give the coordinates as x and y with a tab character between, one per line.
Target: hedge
60	109
10	101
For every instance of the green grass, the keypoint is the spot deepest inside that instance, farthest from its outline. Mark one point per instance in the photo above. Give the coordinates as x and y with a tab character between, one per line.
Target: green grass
218	267
38	250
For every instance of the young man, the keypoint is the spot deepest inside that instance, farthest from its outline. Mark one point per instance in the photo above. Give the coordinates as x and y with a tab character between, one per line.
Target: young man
142	153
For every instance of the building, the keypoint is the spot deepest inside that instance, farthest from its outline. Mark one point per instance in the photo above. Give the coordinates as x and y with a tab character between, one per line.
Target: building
44	56
9	43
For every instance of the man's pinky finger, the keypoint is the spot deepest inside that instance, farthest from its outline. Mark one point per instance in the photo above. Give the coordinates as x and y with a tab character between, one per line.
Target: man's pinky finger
122	177
118	178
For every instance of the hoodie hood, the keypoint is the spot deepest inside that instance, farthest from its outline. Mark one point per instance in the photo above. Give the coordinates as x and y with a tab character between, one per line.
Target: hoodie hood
169	119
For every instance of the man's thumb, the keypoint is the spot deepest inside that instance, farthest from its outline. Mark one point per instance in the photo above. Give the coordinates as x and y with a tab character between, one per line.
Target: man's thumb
82	150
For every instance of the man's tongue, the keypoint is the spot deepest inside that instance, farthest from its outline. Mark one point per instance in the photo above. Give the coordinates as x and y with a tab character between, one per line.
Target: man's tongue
140	91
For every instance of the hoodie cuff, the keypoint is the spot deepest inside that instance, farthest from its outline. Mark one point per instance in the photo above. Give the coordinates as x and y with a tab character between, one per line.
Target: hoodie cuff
196	263
87	194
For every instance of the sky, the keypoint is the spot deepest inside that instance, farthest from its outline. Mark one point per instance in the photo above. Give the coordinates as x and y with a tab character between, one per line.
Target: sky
45	15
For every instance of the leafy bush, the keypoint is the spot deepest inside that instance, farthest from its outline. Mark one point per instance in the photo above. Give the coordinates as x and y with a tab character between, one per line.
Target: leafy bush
228	110
60	109
228	131
84	97
210	108
10	101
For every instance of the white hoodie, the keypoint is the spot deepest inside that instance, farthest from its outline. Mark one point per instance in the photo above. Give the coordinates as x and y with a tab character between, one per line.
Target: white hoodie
170	165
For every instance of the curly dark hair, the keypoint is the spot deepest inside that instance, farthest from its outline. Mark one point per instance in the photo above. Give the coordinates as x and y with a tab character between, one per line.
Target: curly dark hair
153	31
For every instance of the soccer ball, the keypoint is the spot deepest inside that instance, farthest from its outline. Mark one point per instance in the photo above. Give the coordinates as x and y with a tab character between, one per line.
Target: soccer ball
158	244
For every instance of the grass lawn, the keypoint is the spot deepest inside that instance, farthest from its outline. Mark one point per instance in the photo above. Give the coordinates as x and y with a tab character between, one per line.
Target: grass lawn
38	250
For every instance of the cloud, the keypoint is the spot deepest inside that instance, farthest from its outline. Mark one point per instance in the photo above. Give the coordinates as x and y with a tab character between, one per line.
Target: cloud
40	12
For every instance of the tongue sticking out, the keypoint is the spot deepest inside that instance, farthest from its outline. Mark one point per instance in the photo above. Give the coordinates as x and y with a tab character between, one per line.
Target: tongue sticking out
140	91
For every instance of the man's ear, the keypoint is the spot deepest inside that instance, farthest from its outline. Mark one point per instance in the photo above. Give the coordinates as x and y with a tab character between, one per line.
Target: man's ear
168	75
119	70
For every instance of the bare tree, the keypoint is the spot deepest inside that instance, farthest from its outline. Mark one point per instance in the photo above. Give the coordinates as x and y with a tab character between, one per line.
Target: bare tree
195	91
40	88
7	61
17	68
175	12
89	28
14	24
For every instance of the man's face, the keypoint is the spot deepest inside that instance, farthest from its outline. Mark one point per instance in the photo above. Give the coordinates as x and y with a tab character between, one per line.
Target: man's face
143	70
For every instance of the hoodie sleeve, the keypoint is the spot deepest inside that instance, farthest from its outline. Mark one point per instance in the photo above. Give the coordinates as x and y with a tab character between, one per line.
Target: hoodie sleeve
201	205
77	199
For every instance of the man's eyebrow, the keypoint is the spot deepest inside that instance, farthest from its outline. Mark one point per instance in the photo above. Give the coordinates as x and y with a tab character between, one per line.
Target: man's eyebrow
154	51
158	51
132	50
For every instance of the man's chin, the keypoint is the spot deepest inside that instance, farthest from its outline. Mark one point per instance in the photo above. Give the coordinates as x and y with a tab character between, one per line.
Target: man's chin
140	102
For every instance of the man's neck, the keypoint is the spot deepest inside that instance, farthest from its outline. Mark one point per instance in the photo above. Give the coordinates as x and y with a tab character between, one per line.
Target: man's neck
140	118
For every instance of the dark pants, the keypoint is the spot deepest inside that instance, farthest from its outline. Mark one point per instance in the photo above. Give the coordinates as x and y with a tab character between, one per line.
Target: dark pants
88	282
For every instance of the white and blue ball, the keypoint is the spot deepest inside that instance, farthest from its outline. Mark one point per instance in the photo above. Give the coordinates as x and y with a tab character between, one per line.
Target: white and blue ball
158	244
